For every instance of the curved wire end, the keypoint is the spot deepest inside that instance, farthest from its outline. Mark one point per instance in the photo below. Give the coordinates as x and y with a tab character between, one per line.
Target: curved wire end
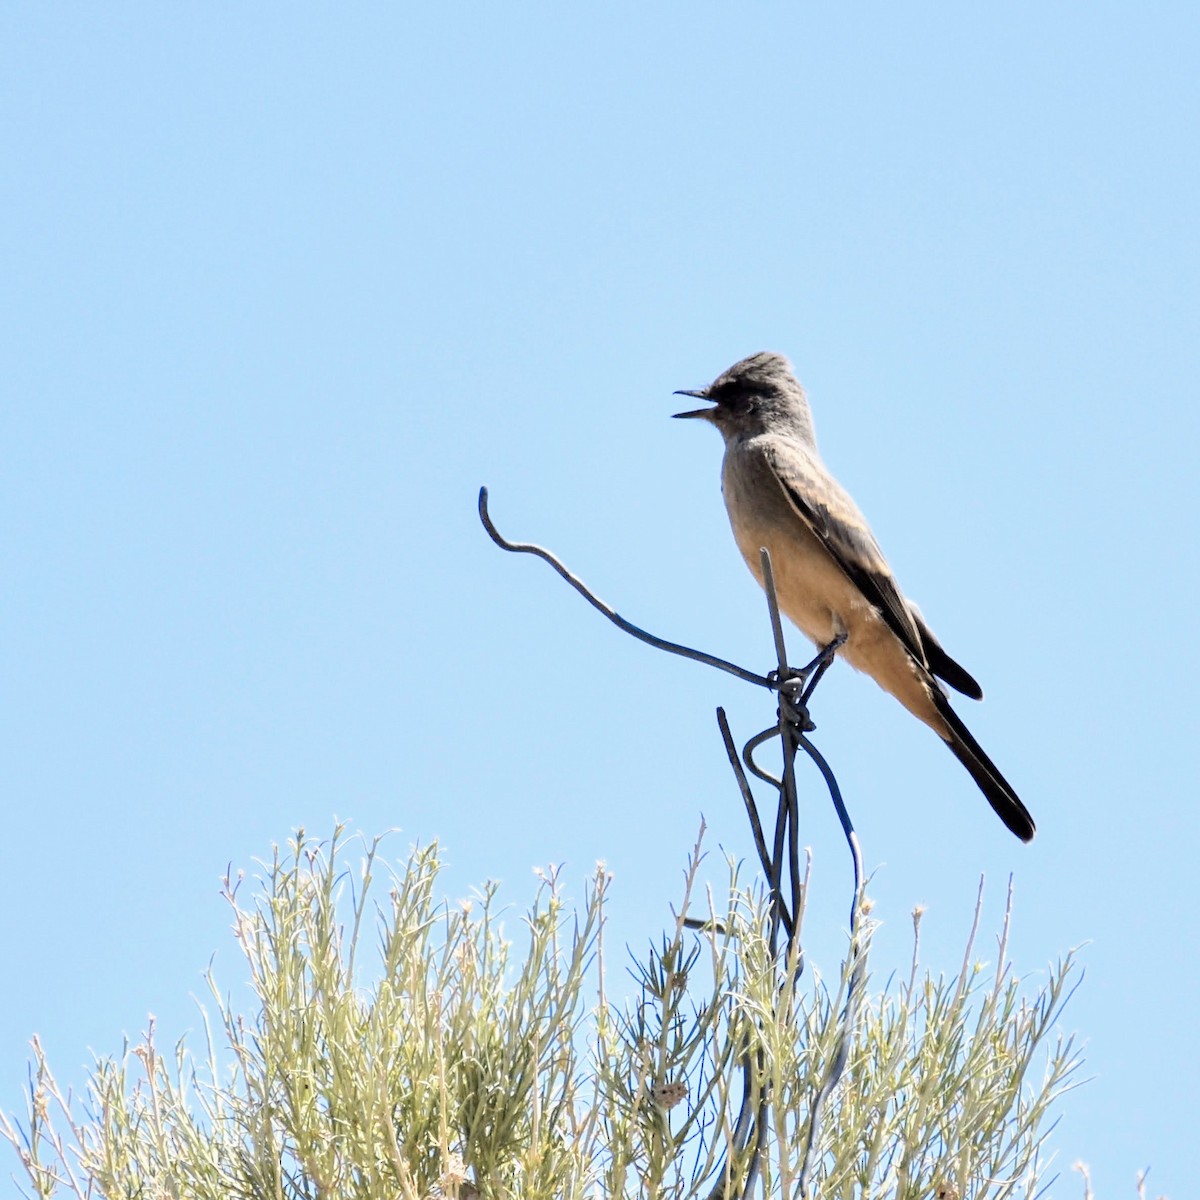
486	518
611	613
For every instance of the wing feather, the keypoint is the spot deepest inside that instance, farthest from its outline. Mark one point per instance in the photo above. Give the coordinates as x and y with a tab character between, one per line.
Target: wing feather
941	664
828	511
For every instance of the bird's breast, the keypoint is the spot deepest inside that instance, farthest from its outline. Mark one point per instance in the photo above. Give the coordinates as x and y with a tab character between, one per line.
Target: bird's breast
812	590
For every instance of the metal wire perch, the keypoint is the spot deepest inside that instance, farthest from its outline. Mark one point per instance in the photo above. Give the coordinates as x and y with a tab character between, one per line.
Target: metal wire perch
794	688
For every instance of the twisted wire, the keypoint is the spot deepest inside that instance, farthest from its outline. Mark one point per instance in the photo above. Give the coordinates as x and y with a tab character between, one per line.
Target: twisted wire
793	723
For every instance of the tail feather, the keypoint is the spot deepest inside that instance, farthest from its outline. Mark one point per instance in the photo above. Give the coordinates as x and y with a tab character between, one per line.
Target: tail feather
991	783
945	668
940	663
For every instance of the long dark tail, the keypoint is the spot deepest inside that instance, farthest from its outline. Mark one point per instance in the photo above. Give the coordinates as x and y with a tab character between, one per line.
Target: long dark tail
991	783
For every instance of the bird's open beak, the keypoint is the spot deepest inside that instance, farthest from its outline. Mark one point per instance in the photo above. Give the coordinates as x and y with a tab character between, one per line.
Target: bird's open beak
700	394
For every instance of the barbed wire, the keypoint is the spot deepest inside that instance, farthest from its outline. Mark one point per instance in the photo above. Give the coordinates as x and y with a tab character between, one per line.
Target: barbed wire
794	688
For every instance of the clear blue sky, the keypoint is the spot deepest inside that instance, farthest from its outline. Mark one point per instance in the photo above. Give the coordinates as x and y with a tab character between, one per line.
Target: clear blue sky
282	285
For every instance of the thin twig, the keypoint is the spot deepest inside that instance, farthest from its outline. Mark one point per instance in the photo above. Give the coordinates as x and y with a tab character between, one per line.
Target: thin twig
846	1025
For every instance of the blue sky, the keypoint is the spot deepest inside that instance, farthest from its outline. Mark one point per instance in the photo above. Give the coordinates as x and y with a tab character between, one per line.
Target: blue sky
283	285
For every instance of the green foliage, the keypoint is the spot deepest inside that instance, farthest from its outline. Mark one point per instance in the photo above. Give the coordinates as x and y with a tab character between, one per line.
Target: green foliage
456	1066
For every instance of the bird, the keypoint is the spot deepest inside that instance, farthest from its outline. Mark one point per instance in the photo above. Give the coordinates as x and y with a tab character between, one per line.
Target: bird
831	578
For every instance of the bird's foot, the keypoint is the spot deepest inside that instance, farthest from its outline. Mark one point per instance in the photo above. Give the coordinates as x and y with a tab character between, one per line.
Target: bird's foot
796	686
801	682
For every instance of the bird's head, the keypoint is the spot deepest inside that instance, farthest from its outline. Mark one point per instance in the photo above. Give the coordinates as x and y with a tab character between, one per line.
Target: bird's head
759	394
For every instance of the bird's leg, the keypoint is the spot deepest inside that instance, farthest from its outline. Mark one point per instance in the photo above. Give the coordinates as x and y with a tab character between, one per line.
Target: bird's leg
821	664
